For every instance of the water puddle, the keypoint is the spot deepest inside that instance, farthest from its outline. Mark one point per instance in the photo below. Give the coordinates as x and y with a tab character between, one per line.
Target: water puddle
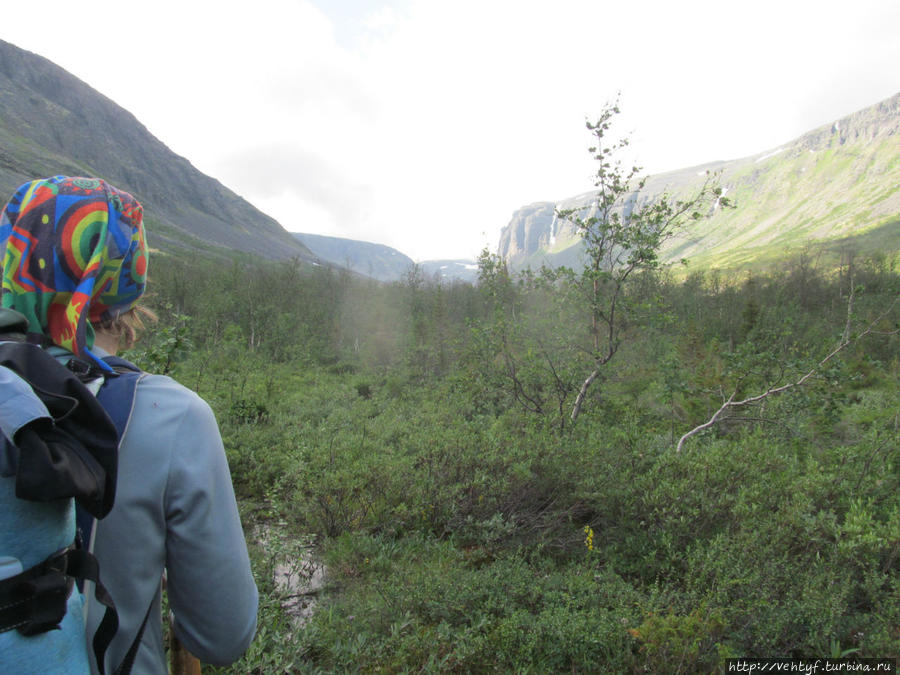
300	581
298	576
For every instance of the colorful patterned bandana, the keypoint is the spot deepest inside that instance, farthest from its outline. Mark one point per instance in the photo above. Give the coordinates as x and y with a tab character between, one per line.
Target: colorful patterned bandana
73	251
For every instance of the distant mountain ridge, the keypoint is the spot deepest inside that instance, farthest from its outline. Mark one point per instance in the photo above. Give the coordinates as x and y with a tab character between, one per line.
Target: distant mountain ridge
381	262
376	261
837	183
53	123
459	269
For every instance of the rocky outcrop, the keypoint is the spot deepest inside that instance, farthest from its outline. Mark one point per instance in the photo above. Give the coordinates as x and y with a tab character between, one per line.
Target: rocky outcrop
529	231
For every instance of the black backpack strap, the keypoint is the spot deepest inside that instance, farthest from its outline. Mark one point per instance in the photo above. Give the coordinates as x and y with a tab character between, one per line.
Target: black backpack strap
119	364
35	601
128	662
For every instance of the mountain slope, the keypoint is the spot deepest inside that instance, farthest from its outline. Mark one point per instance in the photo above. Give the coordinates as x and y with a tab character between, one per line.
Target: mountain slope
381	262
376	261
836	185
53	123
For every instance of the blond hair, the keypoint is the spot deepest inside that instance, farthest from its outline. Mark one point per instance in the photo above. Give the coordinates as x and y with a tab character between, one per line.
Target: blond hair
128	325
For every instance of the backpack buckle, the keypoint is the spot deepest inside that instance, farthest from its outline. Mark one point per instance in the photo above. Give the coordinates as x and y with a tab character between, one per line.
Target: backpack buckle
79	367
58	562
44	600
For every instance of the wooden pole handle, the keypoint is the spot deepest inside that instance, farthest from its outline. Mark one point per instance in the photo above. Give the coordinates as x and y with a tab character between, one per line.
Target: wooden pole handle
181	661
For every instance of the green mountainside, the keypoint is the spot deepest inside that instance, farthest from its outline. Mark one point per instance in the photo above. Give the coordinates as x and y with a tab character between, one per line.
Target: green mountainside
834	188
53	123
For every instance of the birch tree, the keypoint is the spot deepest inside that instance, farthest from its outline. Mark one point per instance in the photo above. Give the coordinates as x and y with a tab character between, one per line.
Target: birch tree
622	237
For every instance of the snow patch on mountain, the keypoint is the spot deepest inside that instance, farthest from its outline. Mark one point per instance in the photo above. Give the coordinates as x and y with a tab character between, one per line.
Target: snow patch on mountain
769	154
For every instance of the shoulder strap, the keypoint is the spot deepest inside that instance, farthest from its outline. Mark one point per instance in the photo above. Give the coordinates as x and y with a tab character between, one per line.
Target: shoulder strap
117	393
117	396
117	362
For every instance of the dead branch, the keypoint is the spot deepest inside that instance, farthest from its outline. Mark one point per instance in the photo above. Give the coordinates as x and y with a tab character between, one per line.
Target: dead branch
846	339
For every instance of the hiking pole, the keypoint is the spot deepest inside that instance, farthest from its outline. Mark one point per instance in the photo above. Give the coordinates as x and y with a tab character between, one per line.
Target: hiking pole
181	661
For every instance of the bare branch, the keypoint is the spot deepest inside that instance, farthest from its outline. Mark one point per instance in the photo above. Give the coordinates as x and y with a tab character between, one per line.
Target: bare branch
708	424
846	339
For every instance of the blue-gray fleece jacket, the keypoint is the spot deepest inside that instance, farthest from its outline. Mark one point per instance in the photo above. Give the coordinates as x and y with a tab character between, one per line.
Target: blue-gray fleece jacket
175	510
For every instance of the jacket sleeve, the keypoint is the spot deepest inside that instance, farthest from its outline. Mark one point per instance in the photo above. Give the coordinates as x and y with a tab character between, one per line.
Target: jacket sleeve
210	585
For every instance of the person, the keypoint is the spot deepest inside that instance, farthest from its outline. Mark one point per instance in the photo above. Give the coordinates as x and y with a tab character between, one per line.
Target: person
74	259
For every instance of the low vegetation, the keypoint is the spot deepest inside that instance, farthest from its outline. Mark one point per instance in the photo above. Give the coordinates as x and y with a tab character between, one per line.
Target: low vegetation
420	435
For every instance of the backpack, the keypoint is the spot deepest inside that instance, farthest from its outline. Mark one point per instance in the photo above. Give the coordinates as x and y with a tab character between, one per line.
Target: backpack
59	445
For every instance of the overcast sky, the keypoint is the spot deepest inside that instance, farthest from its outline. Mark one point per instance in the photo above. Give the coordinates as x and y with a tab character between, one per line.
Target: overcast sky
424	124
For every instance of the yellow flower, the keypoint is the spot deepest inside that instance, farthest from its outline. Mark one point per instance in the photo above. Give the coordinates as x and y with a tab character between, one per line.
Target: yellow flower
589	538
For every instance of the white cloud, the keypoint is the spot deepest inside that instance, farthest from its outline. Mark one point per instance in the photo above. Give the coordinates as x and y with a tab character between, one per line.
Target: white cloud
381	19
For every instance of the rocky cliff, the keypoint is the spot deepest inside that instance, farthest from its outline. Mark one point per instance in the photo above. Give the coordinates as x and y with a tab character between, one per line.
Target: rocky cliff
530	230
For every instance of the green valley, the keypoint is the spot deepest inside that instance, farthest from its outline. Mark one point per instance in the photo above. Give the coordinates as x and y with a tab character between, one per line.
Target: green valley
429	450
